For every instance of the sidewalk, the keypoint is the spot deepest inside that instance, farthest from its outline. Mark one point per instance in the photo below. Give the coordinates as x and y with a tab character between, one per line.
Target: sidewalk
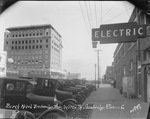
108	103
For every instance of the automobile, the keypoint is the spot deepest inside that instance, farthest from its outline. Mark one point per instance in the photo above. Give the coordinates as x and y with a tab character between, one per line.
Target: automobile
16	97
80	91
48	88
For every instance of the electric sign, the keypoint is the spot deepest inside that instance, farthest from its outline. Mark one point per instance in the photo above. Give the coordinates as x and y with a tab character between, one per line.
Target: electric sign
119	33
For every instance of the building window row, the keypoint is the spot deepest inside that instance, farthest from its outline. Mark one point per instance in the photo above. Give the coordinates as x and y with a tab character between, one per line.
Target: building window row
28	62
55	44
125	69
26	41
27	34
24	53
27	47
30	67
27	57
56	38
55	49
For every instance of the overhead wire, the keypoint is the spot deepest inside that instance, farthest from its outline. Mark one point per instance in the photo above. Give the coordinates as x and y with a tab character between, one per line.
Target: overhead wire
91	14
101	12
88	15
95	12
118	15
84	18
107	12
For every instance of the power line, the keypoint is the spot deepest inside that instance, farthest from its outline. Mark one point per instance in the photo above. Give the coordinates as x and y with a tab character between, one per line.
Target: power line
83	17
118	15
91	14
95	13
107	12
101	12
88	15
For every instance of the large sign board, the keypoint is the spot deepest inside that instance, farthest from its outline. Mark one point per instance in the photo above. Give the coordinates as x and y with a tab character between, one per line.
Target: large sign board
118	33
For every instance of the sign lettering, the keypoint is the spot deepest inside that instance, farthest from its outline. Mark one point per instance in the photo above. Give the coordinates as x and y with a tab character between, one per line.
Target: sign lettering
118	33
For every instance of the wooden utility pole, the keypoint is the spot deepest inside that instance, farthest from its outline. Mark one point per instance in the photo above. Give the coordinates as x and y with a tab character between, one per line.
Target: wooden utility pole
98	69
95	76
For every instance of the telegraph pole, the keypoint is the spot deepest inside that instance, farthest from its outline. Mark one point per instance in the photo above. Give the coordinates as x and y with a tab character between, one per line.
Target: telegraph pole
98	65
95	77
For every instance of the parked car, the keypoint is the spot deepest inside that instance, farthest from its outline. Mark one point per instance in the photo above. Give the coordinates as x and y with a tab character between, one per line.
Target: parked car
15	95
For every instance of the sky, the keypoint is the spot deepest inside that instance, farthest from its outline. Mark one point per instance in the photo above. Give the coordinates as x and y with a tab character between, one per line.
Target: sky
74	21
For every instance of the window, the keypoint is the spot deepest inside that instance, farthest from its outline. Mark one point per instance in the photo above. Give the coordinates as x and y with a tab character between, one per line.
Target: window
32	61
20	86
46	83
46	40
10	86
51	84
124	70
39	84
40	52
46	52
29	88
6	42
32	56
131	65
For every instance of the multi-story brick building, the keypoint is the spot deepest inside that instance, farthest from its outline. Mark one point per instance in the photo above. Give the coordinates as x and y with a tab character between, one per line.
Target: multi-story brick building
125	63
133	59
33	51
143	75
